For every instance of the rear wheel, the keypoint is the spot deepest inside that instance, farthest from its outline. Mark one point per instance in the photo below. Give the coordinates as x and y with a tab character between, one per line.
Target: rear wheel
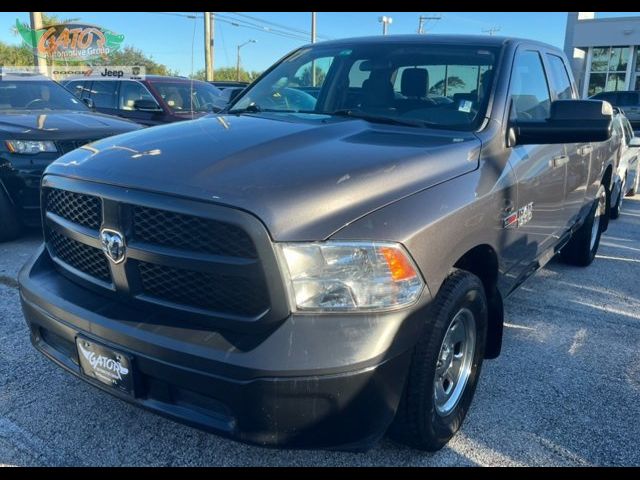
583	246
445	365
10	226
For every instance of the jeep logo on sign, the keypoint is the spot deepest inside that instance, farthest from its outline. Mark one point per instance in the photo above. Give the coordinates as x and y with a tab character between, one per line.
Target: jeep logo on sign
113	244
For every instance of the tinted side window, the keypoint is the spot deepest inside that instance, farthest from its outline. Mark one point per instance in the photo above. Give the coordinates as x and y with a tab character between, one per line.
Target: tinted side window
627	98
529	89
132	91
559	78
104	94
607	97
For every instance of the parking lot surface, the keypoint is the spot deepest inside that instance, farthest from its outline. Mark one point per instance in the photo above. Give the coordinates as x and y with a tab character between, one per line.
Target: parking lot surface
565	391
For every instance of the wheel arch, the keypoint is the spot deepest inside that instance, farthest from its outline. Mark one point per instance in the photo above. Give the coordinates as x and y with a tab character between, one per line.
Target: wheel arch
482	261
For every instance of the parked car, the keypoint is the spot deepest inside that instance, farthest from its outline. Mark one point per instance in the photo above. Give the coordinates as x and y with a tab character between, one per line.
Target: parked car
626	173
314	272
153	101
628	101
39	121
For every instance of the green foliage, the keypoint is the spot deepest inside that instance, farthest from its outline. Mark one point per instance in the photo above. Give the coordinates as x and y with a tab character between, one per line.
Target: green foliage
228	73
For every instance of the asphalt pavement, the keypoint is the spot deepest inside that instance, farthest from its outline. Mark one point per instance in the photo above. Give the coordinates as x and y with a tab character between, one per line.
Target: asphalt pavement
565	391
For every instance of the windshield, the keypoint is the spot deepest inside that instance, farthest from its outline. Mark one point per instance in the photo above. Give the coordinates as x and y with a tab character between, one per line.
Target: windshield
423	84
36	95
182	97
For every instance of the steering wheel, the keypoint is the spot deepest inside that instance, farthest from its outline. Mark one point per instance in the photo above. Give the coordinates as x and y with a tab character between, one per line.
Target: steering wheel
290	99
35	101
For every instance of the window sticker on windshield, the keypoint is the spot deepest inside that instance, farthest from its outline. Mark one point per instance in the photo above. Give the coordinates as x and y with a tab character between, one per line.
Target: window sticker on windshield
345	52
465	106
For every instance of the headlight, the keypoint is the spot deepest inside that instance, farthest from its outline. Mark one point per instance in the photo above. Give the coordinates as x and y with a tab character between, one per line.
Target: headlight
30	147
340	276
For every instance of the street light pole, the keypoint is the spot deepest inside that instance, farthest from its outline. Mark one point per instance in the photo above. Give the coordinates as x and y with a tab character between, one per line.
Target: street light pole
208	46
238	58
37	24
313	40
386	21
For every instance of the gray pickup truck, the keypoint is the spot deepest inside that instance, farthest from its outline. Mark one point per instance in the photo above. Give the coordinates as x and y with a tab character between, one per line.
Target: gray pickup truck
327	260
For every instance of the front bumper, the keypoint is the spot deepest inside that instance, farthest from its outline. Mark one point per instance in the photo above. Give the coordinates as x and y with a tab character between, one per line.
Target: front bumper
311	381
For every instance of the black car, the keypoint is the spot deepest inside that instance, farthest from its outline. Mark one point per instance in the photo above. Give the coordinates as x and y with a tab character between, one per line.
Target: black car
154	100
39	121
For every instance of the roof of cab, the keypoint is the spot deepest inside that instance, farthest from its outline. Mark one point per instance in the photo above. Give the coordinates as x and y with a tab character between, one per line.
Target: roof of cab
475	40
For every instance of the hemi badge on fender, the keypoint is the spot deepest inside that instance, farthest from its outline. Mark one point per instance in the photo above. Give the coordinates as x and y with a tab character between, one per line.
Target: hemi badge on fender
519	218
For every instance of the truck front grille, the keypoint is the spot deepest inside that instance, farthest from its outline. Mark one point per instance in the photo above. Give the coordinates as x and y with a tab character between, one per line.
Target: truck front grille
66	146
77	208
210	291
188	232
215	263
82	257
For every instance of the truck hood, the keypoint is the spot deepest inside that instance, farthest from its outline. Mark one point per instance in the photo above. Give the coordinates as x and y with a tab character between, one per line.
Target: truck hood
60	125
304	176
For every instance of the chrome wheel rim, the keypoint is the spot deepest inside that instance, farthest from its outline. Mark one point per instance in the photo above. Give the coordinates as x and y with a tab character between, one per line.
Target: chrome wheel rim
455	360
600	210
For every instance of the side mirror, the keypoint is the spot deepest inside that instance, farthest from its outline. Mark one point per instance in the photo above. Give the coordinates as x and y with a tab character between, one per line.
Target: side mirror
146	105
570	121
635	142
89	103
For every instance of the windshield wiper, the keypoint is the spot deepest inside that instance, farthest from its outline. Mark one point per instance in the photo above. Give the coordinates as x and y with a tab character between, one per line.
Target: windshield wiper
378	118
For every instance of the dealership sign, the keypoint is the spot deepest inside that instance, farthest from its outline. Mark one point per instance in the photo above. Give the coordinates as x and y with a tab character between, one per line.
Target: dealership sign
70	41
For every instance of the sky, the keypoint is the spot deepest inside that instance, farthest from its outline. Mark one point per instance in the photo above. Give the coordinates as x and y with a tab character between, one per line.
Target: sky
174	39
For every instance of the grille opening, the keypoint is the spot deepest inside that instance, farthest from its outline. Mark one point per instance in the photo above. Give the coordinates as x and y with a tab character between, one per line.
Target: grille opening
89	260
78	208
209	291
188	232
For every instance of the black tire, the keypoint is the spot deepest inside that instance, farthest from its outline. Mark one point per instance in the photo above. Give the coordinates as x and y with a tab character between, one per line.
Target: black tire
581	250
418	422
615	210
10	226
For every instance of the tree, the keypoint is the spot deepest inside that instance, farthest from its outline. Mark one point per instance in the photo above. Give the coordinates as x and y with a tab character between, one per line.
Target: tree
306	77
134	56
438	88
228	74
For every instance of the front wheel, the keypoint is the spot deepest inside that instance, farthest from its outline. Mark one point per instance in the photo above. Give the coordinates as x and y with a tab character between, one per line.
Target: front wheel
583	246
445	365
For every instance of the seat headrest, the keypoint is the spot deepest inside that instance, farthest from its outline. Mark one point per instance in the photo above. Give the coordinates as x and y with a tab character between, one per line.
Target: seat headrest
415	82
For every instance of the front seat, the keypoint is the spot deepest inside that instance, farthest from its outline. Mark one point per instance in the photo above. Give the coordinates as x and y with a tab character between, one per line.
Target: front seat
414	85
377	91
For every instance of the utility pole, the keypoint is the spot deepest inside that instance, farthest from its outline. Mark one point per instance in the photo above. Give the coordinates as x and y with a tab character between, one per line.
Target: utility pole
37	24
238	58
386	21
491	30
423	19
208	46
313	40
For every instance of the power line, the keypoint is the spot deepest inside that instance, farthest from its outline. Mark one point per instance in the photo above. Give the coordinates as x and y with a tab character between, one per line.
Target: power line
297	30
263	28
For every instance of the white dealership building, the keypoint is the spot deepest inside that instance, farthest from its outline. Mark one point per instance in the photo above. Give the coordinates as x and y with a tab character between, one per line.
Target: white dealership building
604	52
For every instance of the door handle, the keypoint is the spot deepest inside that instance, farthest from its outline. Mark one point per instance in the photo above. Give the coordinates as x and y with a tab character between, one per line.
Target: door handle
559	161
585	150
